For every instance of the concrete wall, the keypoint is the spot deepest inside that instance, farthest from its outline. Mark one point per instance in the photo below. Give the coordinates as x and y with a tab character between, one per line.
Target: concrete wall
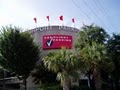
39	32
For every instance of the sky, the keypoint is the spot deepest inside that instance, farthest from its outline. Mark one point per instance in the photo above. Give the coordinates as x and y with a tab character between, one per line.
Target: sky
104	13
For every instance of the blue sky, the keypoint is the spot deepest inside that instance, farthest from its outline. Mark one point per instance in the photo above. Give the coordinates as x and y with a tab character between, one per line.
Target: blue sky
104	13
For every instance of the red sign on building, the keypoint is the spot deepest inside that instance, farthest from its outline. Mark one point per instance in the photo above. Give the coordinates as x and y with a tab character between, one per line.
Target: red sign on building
57	41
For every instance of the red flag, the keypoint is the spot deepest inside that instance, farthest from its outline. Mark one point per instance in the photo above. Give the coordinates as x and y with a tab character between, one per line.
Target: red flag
47	18
61	18
35	19
73	20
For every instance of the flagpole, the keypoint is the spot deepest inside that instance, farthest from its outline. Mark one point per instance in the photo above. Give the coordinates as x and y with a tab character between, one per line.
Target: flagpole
61	19
73	21
48	23
74	25
36	25
62	23
35	20
48	19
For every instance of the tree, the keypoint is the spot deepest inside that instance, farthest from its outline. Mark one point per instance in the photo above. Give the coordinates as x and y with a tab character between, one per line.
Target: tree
91	33
18	51
88	37
43	75
64	64
94	55
113	47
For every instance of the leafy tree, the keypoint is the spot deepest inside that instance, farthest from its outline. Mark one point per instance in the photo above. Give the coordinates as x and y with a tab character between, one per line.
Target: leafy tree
65	64
91	33
88	37
18	51
114	55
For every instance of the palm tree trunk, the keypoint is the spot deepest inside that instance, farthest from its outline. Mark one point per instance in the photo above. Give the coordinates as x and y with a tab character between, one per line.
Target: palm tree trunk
66	84
97	78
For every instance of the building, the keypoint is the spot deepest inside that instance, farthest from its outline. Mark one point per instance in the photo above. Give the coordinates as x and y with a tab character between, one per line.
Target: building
52	38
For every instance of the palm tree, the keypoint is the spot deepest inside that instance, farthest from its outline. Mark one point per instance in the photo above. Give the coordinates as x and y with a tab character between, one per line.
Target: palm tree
94	55
65	64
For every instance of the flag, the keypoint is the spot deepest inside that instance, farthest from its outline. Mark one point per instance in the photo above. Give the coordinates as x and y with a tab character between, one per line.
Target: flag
73	20
47	18
61	17
35	19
